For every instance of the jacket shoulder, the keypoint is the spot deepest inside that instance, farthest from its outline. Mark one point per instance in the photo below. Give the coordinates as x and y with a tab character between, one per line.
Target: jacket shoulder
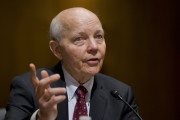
38	72
109	83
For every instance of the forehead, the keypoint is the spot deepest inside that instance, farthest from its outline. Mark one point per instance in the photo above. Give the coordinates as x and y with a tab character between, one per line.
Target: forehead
84	25
79	19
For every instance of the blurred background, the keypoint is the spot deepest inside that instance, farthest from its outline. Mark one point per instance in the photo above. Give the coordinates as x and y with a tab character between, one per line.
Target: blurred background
142	38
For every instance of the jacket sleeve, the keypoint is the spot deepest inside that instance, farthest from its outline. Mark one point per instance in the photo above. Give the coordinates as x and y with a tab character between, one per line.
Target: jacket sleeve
21	103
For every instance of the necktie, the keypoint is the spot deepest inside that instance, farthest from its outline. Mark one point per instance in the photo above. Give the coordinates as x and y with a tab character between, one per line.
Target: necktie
80	108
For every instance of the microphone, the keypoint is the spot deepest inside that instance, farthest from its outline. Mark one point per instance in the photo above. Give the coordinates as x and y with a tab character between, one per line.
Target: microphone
116	94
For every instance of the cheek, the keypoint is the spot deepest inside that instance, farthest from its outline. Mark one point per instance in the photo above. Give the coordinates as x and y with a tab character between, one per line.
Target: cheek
103	50
77	53
73	54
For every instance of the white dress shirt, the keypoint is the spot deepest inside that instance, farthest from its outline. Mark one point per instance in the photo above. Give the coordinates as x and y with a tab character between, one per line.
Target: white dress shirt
71	86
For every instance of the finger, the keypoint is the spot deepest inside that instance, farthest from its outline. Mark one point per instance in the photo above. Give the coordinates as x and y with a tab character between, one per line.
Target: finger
45	83
44	74
53	91
53	101
56	99
34	79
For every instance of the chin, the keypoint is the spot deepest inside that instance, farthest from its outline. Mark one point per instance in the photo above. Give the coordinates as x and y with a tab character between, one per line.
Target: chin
93	71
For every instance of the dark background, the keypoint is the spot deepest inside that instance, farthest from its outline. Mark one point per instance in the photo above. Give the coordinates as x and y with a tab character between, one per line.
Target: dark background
142	39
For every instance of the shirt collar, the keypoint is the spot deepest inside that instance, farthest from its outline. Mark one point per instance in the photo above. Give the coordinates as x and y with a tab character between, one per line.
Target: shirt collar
72	85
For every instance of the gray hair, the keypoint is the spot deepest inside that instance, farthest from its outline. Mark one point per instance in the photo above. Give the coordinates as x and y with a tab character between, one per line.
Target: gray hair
55	30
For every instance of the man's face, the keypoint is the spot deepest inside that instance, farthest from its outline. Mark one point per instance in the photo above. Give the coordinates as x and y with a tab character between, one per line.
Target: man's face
83	48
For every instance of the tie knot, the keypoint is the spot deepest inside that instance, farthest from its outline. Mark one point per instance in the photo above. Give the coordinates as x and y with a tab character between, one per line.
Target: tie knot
81	92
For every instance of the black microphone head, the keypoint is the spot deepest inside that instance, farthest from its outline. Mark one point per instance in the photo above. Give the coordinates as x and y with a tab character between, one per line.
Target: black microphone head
115	94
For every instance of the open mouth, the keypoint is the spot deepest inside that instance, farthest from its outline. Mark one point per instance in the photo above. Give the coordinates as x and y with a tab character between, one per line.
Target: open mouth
93	61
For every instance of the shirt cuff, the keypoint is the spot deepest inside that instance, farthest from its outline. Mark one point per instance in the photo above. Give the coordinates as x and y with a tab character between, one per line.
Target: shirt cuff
33	117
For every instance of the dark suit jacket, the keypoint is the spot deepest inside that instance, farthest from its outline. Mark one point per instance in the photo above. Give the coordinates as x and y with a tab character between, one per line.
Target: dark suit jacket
103	106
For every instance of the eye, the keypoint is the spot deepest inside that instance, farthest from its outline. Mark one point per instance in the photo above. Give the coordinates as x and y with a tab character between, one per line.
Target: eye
78	39
99	36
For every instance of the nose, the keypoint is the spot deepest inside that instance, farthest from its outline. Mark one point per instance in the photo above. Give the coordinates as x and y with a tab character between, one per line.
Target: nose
92	46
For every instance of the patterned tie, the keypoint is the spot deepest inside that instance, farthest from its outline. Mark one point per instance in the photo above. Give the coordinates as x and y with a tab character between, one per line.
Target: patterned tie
80	108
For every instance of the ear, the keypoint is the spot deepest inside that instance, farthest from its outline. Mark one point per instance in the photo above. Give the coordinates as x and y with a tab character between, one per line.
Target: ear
55	48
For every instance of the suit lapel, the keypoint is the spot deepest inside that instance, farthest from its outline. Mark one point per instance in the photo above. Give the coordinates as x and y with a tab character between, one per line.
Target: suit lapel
62	106
98	101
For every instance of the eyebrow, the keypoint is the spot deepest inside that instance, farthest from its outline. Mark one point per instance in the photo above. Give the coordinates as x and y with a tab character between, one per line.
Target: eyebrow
101	30
97	31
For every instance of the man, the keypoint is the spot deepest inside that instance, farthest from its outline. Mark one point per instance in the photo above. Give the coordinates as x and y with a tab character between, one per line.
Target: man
77	40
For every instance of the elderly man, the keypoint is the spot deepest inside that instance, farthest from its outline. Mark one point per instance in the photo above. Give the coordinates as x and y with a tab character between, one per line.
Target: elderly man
72	88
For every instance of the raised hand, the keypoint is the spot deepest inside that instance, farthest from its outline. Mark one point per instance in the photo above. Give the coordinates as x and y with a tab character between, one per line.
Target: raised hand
47	97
